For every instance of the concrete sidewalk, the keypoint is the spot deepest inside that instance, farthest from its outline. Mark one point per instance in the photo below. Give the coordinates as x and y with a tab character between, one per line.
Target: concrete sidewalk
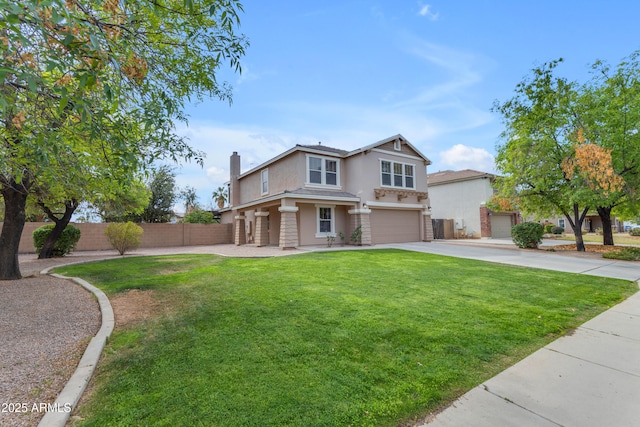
590	378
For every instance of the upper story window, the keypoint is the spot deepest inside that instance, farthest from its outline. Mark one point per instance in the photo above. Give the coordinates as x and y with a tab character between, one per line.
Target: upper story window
397	174
264	177
397	145
322	171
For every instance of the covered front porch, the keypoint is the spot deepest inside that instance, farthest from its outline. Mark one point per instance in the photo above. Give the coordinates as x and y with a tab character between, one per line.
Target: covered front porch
302	218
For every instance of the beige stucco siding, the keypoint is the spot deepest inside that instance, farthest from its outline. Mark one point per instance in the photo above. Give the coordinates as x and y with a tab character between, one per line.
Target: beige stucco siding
308	223
394	226
461	200
363	172
286	174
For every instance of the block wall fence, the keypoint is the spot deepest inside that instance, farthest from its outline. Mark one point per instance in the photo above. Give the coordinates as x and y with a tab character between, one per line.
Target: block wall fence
155	235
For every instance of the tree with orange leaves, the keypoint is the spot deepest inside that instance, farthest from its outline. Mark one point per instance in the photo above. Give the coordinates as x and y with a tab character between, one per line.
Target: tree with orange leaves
573	148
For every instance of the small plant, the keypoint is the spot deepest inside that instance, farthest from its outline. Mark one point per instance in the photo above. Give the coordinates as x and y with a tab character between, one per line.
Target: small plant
341	236
527	235
331	238
625	254
356	236
548	228
557	230
65	243
124	237
634	231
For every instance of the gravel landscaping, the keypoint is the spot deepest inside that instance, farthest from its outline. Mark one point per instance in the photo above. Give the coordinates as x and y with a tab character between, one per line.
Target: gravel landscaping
46	324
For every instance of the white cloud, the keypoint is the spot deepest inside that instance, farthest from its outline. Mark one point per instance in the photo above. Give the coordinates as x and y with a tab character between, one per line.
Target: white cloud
426	11
464	157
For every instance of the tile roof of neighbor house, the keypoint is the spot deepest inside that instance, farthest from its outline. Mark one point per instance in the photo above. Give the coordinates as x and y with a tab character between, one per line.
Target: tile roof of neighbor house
444	177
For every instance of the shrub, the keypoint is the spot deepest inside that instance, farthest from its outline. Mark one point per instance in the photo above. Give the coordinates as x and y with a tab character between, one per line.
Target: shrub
65	243
557	230
199	216
634	231
626	254
527	234
123	236
548	228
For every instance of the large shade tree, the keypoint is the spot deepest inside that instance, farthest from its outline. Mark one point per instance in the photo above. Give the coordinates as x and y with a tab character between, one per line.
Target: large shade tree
75	75
540	132
572	148
612	124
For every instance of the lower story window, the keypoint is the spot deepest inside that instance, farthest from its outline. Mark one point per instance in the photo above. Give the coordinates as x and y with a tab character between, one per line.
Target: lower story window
325	221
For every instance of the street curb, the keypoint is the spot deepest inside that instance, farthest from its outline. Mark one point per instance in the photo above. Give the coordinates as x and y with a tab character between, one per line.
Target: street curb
72	392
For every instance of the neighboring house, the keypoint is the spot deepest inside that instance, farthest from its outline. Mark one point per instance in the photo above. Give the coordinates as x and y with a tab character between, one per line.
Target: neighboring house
592	222
461	196
311	192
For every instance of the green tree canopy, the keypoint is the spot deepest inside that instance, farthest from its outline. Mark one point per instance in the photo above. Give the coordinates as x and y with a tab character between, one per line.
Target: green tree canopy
569	148
93	89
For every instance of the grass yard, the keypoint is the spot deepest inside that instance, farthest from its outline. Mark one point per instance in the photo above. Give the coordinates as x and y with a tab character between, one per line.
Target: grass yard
618	238
360	338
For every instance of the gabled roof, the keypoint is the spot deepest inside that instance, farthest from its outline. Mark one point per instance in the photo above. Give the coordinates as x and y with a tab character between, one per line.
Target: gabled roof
336	152
448	176
386	141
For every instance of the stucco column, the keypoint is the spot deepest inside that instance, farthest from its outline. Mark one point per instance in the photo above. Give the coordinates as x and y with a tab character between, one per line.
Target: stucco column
360	217
262	232
427	227
241	235
288	227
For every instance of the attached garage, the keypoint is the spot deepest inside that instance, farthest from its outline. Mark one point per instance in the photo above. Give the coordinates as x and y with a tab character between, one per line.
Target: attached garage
395	226
500	226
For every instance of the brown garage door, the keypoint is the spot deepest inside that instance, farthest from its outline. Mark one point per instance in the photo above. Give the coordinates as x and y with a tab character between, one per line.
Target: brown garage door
394	226
500	226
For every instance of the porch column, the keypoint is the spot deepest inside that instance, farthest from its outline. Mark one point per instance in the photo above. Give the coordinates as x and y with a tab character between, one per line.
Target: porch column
288	227
262	232
241	235
360	218
427	227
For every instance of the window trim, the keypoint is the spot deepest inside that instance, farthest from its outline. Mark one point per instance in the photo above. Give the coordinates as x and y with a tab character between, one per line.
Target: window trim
392	174
264	174
321	234
323	171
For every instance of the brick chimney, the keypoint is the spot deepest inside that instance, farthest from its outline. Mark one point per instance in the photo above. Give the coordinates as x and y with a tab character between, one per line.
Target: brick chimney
234	187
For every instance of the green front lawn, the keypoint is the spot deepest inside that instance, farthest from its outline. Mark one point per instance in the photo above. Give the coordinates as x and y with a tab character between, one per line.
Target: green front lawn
375	337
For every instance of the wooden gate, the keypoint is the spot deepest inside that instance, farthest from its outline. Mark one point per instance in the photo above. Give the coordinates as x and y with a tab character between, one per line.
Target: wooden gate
442	228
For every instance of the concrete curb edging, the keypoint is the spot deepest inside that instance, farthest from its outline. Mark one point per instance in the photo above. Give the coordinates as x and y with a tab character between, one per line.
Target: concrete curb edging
71	393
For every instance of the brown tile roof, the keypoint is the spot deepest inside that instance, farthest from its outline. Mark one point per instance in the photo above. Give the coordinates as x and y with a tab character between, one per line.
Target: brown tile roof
443	177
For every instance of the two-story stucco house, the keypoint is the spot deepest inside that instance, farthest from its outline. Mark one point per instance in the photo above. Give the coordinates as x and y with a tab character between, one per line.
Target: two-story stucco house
310	192
462	196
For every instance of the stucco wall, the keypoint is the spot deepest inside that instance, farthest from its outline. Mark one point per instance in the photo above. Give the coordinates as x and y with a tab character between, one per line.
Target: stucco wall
363	173
461	200
155	235
287	174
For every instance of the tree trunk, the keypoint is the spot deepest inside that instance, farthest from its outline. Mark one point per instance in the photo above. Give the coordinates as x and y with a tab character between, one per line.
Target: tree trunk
15	200
607	232
61	223
576	221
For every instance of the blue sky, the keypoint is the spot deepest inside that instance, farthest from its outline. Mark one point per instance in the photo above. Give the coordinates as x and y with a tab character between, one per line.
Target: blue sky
350	73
